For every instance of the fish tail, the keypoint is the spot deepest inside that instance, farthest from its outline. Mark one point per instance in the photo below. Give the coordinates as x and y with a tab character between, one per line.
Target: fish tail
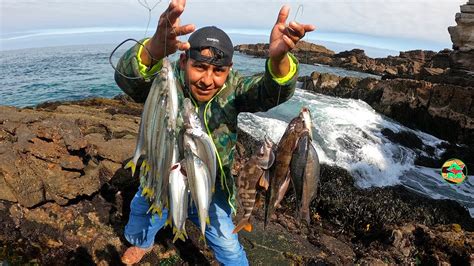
168	222
155	209
243	224
147	192
144	168
131	164
179	235
203	238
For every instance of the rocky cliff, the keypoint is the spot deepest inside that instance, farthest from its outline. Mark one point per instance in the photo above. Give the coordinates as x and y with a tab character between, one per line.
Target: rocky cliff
462	36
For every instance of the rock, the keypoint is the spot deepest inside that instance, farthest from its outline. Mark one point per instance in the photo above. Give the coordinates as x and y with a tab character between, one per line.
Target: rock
336	246
428	71
56	152
327	81
418	55
467	9
463	60
405	138
462	33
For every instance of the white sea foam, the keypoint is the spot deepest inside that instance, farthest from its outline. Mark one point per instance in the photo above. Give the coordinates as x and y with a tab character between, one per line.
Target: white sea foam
347	133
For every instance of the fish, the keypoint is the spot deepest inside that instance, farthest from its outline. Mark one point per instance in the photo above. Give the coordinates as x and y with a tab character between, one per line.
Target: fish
179	196
200	162
199	181
253	174
157	138
310	183
280	173
203	145
305	171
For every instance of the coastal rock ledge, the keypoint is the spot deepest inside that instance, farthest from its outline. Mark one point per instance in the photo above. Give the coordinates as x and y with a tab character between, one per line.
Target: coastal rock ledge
65	197
443	110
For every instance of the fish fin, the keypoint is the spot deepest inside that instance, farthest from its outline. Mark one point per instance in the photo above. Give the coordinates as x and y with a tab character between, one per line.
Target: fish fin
131	165
248	227
147	192
155	209
160	212
271	159
264	180
168	222
208	221
180	235
203	238
243	224
144	168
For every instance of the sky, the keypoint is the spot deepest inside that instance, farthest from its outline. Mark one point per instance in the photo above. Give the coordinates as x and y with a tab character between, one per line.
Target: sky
384	24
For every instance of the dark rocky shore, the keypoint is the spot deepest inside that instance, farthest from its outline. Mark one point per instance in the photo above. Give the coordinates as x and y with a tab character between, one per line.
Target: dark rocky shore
64	199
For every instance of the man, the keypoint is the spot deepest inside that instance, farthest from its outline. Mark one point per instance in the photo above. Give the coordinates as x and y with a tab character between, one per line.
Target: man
205	72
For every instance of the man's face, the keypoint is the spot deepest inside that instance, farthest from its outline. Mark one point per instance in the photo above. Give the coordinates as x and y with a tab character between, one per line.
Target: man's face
203	79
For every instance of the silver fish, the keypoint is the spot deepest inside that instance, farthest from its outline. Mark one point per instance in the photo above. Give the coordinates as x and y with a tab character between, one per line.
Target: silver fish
310	183
203	145
199	181
179	195
156	138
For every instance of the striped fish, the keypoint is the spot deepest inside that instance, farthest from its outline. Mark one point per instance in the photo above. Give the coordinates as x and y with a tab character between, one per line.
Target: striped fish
254	173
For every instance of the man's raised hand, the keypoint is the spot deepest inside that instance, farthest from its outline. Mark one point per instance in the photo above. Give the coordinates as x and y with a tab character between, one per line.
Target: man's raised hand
165	40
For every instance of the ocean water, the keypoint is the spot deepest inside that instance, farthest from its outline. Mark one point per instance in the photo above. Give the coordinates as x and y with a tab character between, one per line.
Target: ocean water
32	76
347	132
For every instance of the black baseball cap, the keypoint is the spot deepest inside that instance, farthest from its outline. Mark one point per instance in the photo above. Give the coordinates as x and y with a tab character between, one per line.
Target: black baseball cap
214	39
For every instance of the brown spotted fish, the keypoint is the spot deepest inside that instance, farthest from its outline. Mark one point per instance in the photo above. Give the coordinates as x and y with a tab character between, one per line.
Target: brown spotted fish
254	173
280	173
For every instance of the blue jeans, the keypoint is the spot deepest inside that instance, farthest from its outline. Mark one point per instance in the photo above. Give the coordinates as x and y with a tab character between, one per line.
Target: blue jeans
142	227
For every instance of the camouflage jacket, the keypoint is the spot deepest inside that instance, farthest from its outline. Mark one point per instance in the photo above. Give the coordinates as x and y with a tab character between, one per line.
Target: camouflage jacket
256	93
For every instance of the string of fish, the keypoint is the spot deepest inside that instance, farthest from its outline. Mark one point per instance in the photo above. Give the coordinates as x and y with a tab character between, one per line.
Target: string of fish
161	173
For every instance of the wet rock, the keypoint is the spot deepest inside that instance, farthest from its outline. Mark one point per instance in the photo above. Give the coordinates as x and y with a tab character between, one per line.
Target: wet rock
405	138
443	110
354	209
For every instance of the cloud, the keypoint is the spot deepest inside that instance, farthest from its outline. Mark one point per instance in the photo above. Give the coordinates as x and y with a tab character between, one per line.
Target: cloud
411	19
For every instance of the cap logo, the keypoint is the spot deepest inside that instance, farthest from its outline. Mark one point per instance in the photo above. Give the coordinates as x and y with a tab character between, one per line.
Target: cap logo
212	39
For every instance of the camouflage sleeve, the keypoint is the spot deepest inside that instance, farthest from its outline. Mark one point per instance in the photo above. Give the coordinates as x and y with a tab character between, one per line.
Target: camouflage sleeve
137	87
259	93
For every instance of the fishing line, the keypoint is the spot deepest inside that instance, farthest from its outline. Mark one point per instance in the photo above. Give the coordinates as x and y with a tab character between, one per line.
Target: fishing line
300	7
147	6
122	74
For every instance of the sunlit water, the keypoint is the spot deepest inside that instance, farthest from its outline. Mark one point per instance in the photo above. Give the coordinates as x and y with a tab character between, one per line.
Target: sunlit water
347	132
